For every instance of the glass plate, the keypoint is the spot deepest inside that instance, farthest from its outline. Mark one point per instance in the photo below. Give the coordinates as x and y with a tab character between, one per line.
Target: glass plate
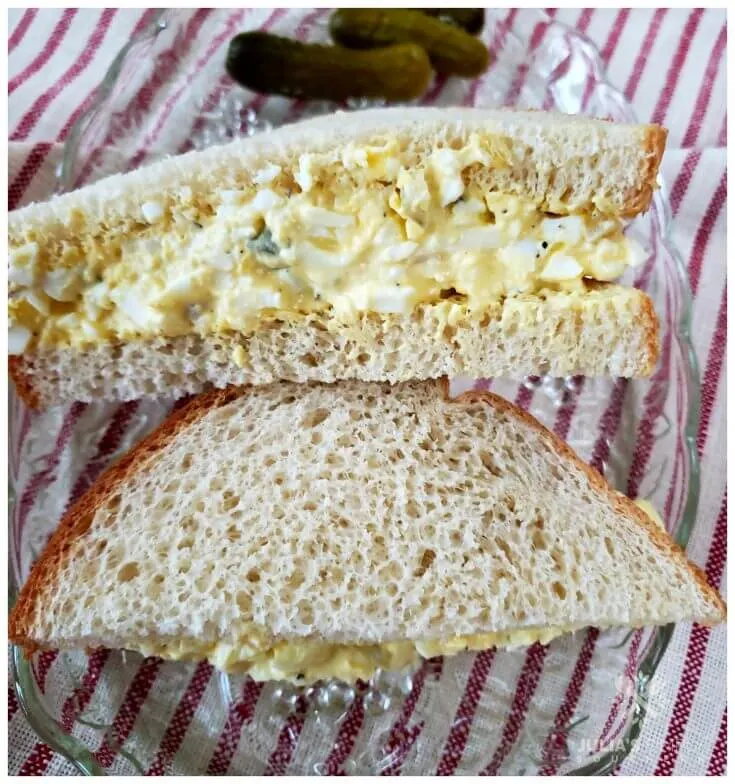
574	706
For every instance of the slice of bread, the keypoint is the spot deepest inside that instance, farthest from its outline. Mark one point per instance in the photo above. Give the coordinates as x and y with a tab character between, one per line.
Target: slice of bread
562	163
610	330
351	514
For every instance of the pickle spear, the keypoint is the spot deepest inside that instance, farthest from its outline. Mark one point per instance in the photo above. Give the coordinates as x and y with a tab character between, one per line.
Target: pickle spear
451	49
470	19
269	63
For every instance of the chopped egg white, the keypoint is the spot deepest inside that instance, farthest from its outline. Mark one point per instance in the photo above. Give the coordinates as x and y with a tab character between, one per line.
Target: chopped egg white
392	299
264	200
23	264
560	266
133	306
388	234
355	157
62	284
230	196
18	339
152	211
567	230
447	169
304	176
222	261
521	255
411	198
320	218
468	211
267	174
483	238
399	252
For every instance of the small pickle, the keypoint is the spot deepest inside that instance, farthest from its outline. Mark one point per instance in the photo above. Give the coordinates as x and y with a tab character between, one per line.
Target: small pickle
470	19
451	49
269	63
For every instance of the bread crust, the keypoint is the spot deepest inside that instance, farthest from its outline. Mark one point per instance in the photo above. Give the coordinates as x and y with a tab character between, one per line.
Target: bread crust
639	199
23	380
78	519
652	332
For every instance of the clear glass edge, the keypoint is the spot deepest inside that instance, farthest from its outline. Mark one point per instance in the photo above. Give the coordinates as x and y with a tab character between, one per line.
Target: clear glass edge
71	146
49	730
612	759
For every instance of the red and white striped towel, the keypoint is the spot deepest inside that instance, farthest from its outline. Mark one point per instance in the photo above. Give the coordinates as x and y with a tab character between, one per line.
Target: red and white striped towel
671	66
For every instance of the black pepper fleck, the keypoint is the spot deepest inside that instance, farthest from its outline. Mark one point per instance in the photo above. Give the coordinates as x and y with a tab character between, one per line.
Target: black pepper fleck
544	244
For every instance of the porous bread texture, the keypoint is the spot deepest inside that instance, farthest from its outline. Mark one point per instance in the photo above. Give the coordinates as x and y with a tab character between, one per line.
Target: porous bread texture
354	513
560	162
608	331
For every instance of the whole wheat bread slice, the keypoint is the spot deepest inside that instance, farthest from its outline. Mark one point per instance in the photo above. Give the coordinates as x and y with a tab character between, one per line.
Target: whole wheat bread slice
351	514
560	163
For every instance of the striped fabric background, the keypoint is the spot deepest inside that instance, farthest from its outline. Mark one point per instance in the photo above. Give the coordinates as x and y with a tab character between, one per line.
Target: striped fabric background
671	66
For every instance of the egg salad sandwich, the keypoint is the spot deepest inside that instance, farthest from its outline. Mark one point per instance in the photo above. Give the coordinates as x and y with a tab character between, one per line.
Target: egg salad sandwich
302	532
383	245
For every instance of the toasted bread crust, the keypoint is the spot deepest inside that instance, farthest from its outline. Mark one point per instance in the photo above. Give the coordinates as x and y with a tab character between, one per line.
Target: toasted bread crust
639	200
652	332
26	391
77	520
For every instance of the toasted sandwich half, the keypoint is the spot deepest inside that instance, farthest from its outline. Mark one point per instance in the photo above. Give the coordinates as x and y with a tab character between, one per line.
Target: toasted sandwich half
302	532
384	245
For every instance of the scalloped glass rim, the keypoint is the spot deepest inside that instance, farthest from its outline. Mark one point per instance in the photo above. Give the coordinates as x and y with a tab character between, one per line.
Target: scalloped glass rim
33	707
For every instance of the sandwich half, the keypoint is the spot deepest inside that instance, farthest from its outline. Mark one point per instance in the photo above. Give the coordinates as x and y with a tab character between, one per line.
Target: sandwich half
385	245
302	532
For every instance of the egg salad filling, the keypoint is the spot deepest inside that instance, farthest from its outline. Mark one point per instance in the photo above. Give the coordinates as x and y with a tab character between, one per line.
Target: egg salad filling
308	661
293	242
